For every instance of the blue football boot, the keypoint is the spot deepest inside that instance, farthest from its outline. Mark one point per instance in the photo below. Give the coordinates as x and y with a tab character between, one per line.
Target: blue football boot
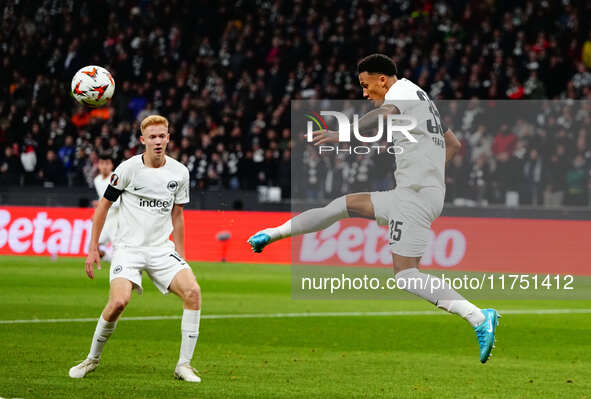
485	332
259	241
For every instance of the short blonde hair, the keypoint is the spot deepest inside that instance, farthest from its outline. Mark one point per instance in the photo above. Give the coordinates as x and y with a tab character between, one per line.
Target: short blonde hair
153	120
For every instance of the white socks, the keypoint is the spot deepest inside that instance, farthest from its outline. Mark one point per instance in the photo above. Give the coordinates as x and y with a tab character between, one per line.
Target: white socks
311	220
103	331
190	333
434	290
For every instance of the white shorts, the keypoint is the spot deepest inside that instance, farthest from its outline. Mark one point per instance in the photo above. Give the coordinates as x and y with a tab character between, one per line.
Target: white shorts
161	264
408	215
110	227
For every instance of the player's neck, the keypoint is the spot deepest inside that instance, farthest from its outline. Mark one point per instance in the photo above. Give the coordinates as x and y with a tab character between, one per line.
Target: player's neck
153	161
391	81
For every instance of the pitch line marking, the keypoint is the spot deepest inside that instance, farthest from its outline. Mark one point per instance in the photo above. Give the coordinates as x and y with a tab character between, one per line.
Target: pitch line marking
296	315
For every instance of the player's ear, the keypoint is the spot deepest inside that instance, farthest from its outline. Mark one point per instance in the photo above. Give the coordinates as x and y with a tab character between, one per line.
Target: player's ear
142	139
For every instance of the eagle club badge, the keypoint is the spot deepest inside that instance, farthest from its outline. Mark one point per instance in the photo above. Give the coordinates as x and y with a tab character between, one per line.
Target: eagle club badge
172	186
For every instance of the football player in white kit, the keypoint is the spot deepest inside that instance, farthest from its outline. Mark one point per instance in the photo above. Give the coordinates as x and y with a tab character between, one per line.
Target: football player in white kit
152	188
101	181
412	206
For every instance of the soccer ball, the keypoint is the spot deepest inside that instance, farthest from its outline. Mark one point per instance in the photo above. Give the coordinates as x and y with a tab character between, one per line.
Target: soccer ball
93	85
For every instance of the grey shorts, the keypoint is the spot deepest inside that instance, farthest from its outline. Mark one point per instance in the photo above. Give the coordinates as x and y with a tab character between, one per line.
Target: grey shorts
408	213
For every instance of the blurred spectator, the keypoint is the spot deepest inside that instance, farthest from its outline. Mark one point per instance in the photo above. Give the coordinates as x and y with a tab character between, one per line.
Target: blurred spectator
477	179
532	172
534	87
504	141
246	166
81	118
555	178
284	174
577	183
456	176
507	178
29	164
89	167
582	78
66	155
224	76
10	167
51	172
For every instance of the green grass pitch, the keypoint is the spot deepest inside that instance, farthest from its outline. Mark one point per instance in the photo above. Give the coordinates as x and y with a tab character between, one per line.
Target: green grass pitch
416	356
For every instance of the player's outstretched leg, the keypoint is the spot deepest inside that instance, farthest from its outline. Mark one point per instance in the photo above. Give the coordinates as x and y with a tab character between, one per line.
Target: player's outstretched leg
119	295
436	291
185	286
306	222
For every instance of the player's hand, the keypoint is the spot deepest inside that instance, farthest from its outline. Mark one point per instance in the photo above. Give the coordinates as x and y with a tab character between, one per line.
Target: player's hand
92	258
324	136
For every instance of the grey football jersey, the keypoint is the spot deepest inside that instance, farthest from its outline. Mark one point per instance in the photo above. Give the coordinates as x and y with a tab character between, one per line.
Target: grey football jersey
421	164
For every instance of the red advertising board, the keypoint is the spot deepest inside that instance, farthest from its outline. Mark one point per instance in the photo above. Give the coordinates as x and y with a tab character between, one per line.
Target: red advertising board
461	243
485	244
66	232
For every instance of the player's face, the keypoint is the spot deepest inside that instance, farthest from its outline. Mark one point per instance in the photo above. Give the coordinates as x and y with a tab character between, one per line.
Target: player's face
105	167
374	86
155	138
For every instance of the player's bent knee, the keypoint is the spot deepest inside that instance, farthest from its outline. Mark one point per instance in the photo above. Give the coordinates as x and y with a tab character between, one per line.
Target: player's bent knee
192	296
118	304
400	263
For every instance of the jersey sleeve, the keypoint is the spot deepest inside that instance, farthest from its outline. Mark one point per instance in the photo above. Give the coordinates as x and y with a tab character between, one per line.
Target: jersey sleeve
120	179
182	194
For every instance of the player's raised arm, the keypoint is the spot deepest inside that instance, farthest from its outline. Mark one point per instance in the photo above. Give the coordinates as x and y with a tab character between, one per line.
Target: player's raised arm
178	229
370	121
452	145
98	221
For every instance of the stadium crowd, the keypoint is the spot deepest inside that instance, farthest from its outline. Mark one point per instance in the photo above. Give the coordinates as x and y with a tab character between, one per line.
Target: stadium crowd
224	73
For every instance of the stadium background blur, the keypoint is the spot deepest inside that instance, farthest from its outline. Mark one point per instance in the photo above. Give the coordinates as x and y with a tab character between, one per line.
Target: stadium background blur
224	74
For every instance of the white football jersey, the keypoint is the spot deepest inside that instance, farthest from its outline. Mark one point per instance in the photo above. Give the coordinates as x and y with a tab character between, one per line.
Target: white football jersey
147	200
100	185
421	164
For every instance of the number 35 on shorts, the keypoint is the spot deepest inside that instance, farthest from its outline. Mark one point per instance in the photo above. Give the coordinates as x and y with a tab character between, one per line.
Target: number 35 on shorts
395	231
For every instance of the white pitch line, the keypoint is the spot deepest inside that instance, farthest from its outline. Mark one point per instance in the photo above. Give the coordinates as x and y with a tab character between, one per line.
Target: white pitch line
311	314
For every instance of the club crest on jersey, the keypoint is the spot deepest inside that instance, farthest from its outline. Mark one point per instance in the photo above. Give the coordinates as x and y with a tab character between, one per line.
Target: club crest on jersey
114	179
172	186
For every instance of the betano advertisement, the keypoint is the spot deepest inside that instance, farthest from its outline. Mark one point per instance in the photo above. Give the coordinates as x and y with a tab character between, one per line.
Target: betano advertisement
478	244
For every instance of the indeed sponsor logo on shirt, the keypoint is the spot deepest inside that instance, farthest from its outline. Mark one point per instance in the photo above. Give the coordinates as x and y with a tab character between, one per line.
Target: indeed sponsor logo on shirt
154	203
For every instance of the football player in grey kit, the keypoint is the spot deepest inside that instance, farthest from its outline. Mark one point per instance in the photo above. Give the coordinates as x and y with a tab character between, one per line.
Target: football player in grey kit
152	189
412	206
